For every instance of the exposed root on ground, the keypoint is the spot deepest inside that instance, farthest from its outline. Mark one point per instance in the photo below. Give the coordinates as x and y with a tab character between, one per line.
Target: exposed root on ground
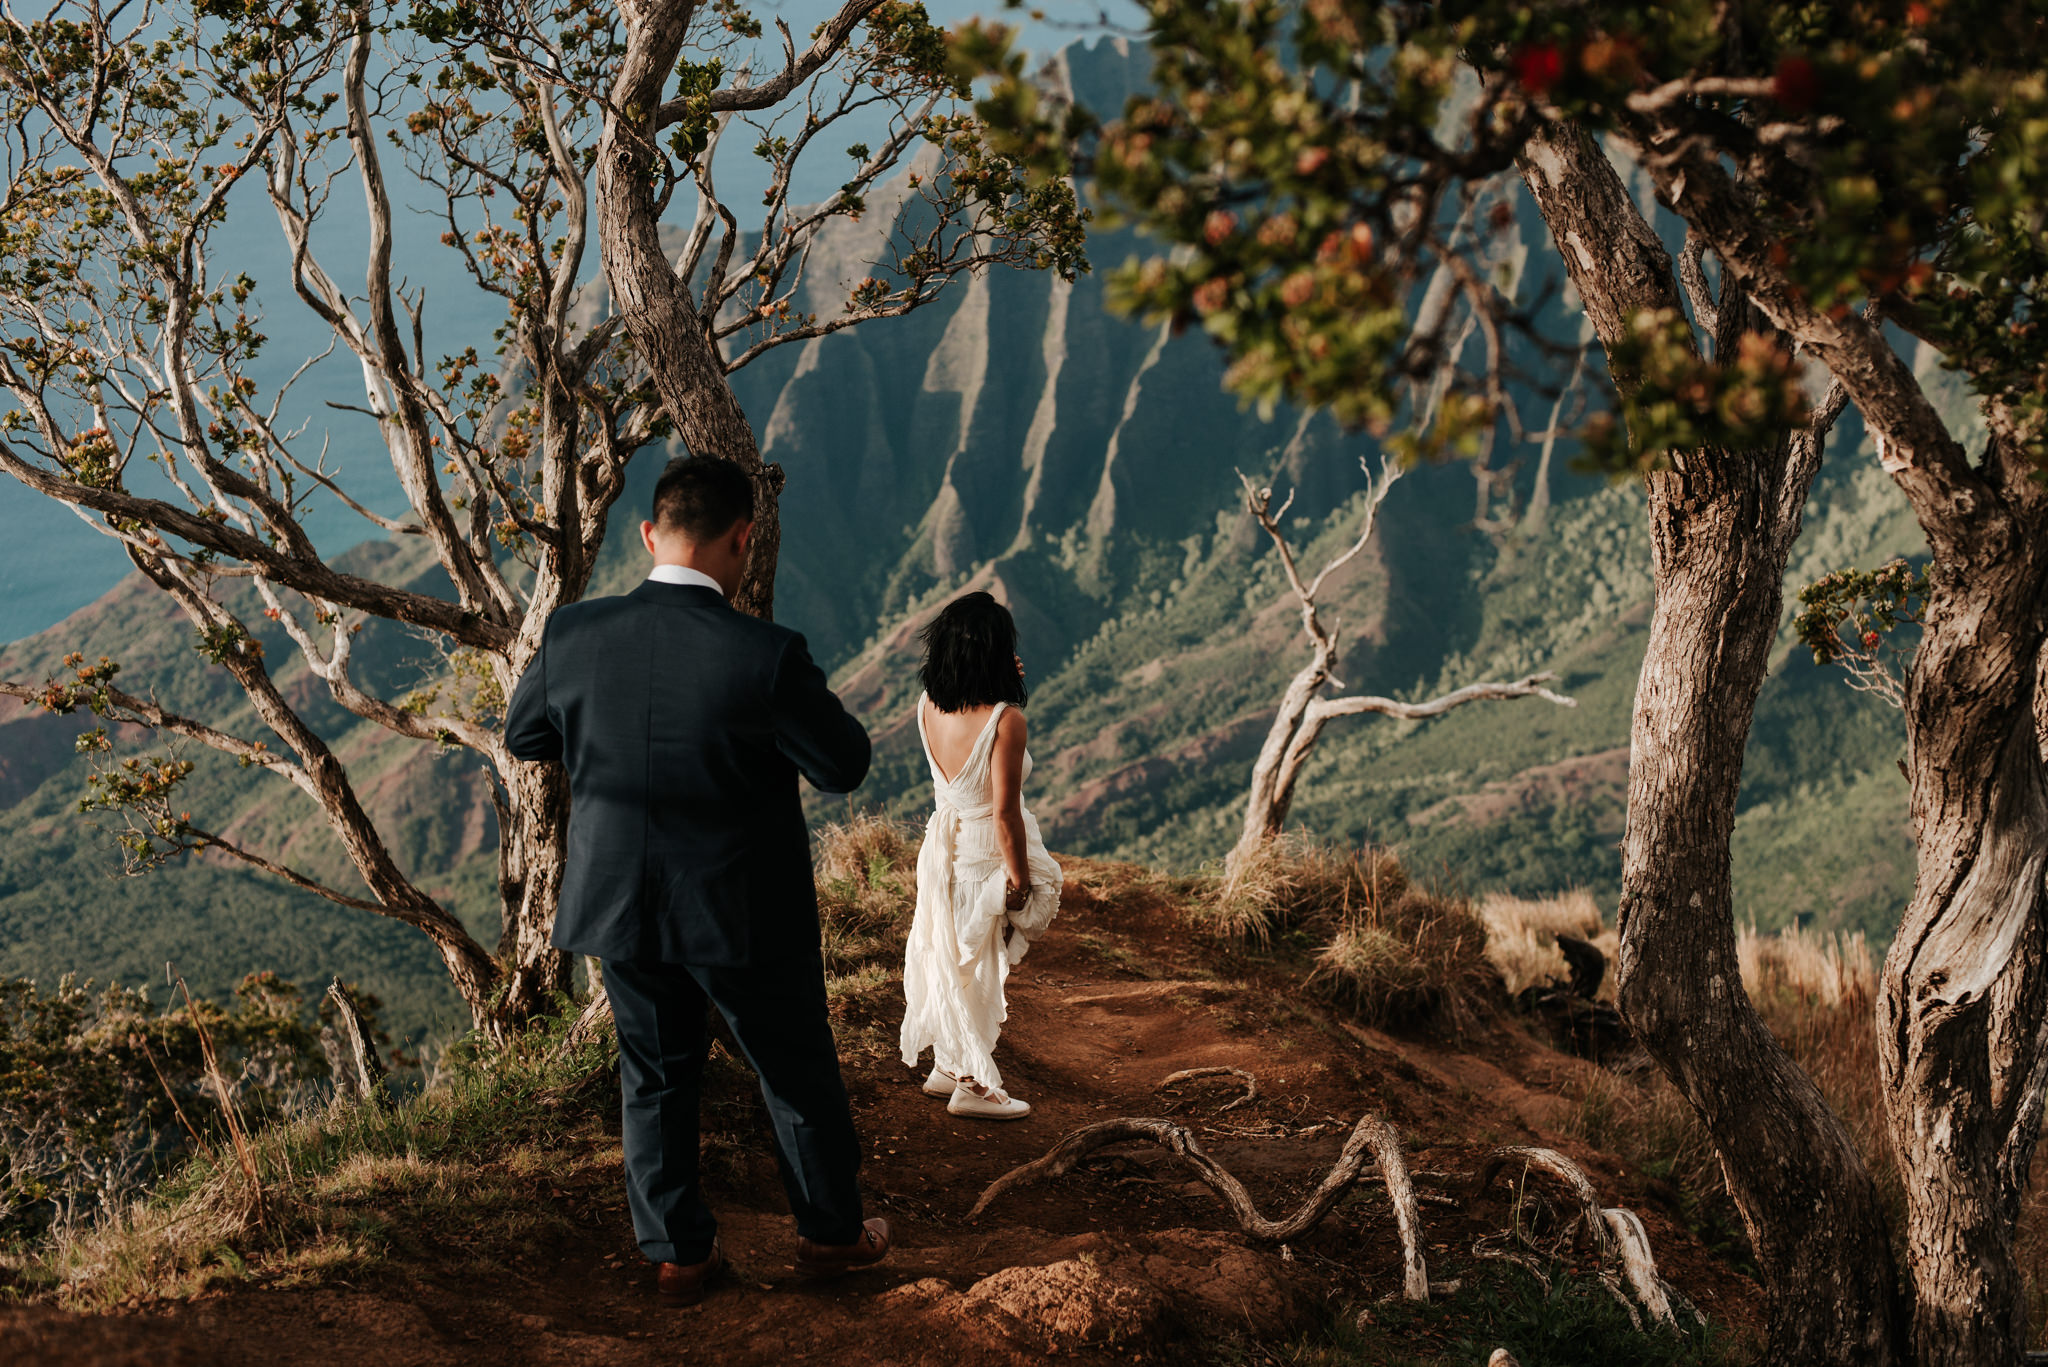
1619	1239
592	1021
1620	1242
1251	1084
1371	1139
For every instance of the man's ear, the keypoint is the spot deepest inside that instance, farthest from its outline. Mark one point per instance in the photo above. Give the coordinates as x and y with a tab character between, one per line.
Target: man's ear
743	538
647	536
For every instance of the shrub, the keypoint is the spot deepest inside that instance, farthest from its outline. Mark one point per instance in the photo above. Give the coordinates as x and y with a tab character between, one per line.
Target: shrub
340	1186
101	1090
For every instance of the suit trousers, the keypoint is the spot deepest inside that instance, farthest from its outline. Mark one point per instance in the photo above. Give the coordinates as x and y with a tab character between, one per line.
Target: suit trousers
777	1013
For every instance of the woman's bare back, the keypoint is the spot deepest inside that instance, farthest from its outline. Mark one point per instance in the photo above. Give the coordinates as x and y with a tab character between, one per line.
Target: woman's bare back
952	735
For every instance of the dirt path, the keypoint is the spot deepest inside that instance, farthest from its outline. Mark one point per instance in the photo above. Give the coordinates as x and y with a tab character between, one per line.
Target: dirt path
1116	998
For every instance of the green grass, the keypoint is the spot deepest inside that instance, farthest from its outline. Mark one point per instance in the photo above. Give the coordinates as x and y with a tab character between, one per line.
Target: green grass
1573	1323
352	1187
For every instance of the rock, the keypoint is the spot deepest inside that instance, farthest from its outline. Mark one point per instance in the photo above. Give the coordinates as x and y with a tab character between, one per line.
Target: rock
1074	1303
1216	1280
1502	1358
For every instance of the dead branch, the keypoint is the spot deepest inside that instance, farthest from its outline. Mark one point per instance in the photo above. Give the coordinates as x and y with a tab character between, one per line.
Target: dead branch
1527	687
363	1074
1370	1138
1251	1084
1618	1235
1303	713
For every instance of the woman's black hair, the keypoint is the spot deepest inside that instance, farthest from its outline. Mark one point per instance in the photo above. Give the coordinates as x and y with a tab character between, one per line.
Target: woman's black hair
970	655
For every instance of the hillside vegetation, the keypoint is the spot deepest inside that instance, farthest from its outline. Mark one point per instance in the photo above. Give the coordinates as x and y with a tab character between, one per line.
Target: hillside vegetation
1016	436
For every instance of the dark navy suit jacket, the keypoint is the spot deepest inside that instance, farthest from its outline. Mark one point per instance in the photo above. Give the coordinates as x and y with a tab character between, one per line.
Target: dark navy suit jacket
684	724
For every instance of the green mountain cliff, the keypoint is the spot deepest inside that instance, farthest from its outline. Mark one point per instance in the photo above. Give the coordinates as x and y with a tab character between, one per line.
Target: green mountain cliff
1016	436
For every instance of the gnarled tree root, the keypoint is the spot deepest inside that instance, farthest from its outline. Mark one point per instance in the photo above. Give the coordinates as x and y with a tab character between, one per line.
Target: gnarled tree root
1618	1235
591	1023
1251	1084
1371	1138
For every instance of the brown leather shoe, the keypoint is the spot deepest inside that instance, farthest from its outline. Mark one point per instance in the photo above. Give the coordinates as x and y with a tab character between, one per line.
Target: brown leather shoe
829	1260
684	1283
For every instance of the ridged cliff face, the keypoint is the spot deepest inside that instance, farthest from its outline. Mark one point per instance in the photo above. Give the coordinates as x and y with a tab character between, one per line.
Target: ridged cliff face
1015	435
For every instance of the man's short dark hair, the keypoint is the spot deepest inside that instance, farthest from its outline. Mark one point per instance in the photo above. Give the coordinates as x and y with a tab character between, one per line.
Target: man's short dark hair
702	497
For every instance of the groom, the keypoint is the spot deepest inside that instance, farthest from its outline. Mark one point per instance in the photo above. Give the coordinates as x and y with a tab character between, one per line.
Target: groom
684	725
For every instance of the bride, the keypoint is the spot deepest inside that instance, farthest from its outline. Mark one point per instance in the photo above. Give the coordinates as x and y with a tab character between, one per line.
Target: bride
986	888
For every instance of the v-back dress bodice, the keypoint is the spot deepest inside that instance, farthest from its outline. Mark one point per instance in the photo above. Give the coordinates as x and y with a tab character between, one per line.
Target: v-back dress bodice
956	961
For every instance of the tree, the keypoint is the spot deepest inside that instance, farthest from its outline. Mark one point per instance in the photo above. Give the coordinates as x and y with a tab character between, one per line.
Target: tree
135	364
1838	170
1303	712
981	210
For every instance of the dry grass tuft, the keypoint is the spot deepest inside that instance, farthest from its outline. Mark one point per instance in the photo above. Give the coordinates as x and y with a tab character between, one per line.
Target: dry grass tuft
1643	1119
867	890
1521	938
1394	953
1297	880
1795	967
1408	959
866	847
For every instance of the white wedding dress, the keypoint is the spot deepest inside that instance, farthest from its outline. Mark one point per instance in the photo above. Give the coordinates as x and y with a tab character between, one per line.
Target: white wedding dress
956	963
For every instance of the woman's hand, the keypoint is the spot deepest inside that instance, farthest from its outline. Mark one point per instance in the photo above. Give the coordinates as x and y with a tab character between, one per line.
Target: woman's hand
1015	897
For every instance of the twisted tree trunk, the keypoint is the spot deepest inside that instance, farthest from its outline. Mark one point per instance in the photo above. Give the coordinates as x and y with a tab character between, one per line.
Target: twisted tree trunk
1962	1007
533	838
1963	1015
672	336
1722	524
1806	1198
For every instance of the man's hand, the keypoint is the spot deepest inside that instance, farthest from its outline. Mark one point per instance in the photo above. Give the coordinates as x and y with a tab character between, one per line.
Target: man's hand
1015	897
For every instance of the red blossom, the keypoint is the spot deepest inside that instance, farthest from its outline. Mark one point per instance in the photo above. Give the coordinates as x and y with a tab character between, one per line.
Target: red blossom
1538	66
1212	295
1870	638
1218	227
1796	84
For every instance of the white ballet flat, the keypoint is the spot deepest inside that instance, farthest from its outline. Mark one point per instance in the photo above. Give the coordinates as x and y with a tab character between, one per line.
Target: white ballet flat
941	1083
996	1105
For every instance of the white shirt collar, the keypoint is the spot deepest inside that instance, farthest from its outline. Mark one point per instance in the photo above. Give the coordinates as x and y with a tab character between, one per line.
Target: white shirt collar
683	574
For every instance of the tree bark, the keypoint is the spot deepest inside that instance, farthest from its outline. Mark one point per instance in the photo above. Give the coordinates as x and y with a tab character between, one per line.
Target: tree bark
1963	1014
1961	1009
672	337
1722	524
1805	1196
1266	805
533	829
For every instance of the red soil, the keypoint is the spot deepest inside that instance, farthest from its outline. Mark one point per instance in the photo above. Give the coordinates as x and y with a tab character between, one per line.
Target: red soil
1116	997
